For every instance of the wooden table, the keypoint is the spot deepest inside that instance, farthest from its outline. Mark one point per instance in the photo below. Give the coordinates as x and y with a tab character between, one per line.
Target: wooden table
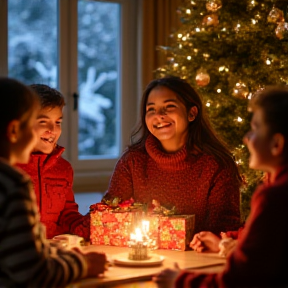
140	277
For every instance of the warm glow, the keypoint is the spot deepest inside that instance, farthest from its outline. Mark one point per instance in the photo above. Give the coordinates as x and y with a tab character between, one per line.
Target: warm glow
180	35
268	62
189	57
137	236
188	11
218	90
239	119
208	104
197	29
145	226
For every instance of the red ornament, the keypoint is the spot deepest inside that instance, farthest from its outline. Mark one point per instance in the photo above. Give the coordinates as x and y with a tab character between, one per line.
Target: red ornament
281	30
211	19
202	78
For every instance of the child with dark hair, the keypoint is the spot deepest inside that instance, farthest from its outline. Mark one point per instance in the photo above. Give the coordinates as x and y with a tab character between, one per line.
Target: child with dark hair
52	176
257	260
26	259
177	159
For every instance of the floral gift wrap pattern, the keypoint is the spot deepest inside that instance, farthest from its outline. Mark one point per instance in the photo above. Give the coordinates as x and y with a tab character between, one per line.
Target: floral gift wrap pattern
176	231
112	224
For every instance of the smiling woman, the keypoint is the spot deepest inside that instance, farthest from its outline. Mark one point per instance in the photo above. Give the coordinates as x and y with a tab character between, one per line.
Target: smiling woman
177	159
167	118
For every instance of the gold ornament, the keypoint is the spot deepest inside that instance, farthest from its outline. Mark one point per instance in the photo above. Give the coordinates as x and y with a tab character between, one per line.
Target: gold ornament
237	27
240	90
211	19
202	77
252	4
213	5
281	31
275	16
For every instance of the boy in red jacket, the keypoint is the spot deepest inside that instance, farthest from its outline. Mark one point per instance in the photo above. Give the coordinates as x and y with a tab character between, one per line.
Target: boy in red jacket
52	176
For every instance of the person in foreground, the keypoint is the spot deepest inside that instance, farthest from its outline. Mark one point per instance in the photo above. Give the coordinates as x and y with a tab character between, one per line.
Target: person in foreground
176	159
257	260
52	175
26	259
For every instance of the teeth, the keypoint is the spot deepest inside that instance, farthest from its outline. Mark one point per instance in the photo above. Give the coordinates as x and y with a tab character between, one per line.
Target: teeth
159	125
50	139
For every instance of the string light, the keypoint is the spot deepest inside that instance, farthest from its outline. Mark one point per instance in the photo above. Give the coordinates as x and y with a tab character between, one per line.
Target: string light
208	104
188	11
219	90
197	29
268	62
179	35
189	57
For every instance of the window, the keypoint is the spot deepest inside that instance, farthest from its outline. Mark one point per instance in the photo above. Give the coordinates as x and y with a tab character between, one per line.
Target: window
87	50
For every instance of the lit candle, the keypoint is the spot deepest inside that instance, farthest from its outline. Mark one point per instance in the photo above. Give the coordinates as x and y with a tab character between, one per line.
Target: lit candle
145	226
138	248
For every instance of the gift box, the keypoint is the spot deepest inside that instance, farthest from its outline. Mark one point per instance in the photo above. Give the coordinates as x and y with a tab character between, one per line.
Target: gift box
109	226
114	228
176	231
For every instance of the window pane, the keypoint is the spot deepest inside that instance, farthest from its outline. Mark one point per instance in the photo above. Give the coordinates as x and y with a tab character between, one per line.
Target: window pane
32	41
98	76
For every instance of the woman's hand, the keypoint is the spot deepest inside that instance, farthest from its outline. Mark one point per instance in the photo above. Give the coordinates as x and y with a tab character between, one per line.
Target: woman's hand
205	241
167	277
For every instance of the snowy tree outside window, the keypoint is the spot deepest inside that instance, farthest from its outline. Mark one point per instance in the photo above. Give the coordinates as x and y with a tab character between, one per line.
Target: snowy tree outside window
33	58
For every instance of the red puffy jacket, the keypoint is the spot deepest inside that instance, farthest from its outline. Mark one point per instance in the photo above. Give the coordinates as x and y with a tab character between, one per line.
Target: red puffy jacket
52	178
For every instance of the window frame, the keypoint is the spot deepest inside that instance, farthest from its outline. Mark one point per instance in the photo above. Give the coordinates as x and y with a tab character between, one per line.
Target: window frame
90	174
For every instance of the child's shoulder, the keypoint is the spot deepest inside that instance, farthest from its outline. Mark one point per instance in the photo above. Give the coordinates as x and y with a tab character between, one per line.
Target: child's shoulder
10	177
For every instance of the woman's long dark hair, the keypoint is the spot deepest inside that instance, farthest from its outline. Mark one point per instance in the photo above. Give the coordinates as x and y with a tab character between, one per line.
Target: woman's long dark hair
201	136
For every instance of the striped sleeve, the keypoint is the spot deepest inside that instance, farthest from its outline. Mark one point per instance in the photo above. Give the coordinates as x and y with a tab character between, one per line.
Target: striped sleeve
25	255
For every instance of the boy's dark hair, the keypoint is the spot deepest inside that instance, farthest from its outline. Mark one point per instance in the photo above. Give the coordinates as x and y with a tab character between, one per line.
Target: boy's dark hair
49	97
16	100
273	101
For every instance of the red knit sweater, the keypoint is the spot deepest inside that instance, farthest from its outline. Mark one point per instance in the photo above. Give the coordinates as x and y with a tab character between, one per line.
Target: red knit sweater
260	257
52	178
193	184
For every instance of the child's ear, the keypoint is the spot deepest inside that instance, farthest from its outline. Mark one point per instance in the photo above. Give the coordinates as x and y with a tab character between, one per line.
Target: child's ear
192	113
13	131
278	143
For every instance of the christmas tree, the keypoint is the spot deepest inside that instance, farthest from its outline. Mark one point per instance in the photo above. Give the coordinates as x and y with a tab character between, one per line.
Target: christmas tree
228	50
